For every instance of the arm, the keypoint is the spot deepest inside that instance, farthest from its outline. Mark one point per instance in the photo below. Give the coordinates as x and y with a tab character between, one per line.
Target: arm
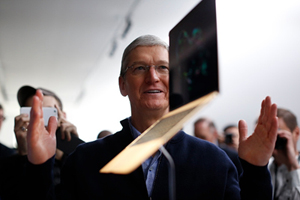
255	152
288	157
66	128
41	146
20	129
255	182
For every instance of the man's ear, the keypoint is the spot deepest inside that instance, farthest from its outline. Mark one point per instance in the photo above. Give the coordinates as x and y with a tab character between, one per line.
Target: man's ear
122	86
296	133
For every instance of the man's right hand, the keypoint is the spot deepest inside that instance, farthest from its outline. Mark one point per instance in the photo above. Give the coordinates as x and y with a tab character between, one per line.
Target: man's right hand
287	155
41	140
20	129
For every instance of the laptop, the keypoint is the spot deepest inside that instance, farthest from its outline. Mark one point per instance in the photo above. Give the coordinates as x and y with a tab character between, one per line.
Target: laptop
194	82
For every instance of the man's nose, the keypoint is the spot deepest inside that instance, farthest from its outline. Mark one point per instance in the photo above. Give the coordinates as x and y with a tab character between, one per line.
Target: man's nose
152	74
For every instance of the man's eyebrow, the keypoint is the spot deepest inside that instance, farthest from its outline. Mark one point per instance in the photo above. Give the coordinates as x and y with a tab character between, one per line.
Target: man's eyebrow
160	62
164	62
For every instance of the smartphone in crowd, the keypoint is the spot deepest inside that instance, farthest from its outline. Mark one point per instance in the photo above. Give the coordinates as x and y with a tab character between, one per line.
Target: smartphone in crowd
47	113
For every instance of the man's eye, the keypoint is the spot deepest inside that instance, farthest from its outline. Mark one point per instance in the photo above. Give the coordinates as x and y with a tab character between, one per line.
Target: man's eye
162	67
140	68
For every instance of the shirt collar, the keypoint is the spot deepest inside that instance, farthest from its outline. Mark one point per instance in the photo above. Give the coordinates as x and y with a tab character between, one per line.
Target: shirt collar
135	133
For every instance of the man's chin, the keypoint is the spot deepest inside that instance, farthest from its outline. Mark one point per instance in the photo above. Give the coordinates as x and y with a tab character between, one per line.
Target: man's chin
157	106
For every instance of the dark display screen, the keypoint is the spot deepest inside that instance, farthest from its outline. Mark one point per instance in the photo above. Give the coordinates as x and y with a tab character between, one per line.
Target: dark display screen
194	55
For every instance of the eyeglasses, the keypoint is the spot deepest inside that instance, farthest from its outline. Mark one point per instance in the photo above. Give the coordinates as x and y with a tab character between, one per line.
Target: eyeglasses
140	69
2	118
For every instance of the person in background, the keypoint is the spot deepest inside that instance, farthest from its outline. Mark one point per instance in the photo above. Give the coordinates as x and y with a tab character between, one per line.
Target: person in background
204	128
25	98
13	180
231	136
285	162
203	171
103	134
15	167
6	154
4	150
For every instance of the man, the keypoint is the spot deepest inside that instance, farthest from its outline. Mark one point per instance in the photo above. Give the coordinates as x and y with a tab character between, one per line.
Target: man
25	97
205	129
231	135
4	150
284	165
203	171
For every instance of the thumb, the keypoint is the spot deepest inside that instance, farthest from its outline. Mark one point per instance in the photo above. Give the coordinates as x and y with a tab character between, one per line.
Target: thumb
52	125
243	130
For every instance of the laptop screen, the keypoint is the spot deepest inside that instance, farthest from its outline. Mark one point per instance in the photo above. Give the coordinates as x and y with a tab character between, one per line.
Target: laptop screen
194	55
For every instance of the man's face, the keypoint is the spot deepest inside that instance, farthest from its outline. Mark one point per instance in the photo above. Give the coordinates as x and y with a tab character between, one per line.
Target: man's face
203	131
235	136
282	126
149	91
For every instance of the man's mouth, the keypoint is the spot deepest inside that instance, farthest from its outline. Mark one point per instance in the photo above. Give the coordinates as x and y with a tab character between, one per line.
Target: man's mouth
153	91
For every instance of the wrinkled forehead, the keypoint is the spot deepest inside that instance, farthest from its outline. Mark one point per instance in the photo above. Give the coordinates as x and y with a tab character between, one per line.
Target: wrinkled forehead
148	54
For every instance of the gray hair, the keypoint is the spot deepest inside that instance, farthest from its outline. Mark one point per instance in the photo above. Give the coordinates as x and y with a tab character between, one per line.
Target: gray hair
145	40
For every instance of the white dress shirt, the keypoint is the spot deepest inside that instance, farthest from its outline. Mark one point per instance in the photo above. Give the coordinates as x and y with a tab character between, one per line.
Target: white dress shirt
286	185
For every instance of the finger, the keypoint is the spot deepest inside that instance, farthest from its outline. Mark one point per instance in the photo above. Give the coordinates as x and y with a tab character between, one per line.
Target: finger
36	113
283	132
24	117
67	134
265	109
52	126
69	131
243	130
59	113
73	131
272	126
267	105
21	121
261	114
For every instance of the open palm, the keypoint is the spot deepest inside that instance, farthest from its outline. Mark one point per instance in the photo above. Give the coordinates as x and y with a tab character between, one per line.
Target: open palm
258	147
41	140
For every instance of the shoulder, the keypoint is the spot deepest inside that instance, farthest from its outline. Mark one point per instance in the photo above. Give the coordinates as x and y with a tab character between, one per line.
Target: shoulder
192	145
230	152
106	143
105	148
6	151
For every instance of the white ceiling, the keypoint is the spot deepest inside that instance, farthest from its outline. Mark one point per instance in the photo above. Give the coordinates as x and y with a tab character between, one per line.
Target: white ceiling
56	44
74	48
